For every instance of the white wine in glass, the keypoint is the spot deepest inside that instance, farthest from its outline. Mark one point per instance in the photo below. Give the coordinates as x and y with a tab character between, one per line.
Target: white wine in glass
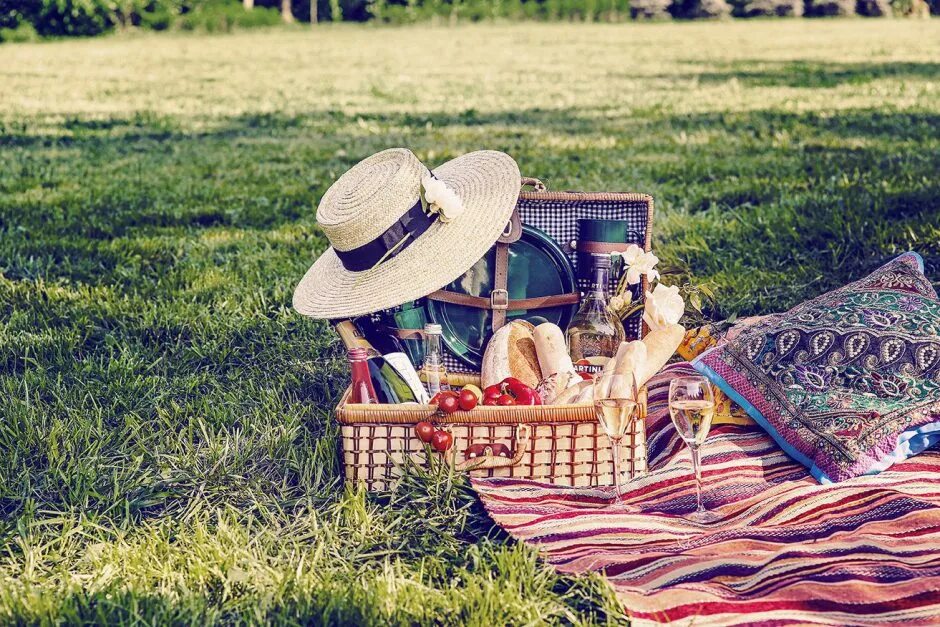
615	403
693	419
692	407
615	415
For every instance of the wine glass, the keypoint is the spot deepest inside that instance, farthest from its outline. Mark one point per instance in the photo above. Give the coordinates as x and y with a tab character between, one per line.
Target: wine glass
615	403
692	407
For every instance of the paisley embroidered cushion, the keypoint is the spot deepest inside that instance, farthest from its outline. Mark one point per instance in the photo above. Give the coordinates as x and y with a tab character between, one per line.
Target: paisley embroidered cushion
849	382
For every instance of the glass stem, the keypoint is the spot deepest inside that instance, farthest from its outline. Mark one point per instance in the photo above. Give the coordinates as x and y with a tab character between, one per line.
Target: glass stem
615	448
697	468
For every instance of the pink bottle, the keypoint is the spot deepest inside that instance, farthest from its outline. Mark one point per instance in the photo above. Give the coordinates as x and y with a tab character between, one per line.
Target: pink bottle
362	389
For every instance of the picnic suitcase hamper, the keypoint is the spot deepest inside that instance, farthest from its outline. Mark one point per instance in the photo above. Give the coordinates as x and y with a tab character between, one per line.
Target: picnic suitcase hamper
561	444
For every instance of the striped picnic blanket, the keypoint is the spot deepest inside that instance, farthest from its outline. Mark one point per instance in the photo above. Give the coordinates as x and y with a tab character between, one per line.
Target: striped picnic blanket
786	550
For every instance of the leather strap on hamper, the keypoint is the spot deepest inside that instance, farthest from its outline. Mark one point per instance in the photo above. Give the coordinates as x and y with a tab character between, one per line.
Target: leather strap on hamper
499	302
481	302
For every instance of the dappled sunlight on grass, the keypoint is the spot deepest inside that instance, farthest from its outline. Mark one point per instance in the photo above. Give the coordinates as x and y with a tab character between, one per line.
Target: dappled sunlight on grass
167	452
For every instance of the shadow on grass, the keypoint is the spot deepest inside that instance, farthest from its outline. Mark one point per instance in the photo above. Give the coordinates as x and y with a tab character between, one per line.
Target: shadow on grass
115	132
730	162
814	74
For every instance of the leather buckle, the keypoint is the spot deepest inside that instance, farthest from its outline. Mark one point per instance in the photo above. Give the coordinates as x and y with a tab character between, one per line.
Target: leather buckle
499	300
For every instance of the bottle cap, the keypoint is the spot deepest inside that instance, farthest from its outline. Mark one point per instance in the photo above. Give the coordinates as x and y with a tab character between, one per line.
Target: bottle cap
357	353
600	261
432	328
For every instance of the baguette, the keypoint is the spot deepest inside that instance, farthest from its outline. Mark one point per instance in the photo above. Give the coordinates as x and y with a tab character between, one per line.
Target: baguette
551	350
661	345
631	356
573	393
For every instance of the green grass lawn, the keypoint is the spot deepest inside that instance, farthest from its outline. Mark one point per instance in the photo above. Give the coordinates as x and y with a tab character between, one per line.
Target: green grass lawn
166	447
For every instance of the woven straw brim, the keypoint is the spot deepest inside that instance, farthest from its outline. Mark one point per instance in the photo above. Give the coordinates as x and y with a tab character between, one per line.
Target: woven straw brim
487	181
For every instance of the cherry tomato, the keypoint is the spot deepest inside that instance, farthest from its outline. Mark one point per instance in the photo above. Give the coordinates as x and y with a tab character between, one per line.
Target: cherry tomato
448	404
467	400
442	441
424	430
436	399
490	395
505	399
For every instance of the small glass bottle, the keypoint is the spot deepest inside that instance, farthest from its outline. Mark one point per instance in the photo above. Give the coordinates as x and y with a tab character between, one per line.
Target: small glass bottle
435	374
362	389
595	334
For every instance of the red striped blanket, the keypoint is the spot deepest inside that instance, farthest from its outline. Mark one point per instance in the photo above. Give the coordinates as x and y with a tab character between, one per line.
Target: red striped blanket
787	550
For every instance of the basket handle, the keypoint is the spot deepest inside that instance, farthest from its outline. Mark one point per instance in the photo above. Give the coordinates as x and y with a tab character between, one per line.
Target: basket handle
536	184
489	461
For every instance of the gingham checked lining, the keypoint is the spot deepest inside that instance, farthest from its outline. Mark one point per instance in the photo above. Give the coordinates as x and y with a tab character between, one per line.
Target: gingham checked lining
559	219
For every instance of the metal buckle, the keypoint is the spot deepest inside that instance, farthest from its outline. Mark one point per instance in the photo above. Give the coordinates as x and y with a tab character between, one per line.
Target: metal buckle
499	299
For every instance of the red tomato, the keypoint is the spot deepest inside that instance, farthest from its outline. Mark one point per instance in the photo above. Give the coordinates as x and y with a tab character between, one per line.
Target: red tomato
490	394
424	430
442	441
448	404
505	399
436	399
467	400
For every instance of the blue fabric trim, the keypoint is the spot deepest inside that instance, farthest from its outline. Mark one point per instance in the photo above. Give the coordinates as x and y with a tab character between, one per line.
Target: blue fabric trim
920	260
910	443
758	417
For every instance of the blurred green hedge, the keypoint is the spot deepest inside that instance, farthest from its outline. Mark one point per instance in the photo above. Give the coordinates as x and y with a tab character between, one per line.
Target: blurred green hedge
19	19
24	20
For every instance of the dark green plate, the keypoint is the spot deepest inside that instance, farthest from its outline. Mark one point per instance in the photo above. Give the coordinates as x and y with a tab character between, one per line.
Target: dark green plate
537	267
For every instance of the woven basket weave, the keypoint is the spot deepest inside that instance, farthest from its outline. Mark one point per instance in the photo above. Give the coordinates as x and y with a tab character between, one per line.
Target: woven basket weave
560	444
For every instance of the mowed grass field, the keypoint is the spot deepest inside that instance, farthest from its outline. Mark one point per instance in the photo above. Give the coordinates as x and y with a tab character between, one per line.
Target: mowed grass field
166	447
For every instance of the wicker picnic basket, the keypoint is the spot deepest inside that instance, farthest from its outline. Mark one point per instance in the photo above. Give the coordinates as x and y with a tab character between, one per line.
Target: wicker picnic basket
561	444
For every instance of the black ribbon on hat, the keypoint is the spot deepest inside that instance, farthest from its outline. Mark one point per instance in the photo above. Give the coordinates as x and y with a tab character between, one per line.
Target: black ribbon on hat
391	242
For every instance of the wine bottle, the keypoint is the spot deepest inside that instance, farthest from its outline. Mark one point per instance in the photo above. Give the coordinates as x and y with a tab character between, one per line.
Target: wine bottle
376	330
594	333
392	377
352	338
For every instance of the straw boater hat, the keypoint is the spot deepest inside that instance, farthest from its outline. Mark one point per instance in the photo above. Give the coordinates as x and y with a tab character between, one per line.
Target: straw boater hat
400	231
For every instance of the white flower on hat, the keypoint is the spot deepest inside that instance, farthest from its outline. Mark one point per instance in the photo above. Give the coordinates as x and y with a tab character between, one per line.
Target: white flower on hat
664	306
639	263
441	199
